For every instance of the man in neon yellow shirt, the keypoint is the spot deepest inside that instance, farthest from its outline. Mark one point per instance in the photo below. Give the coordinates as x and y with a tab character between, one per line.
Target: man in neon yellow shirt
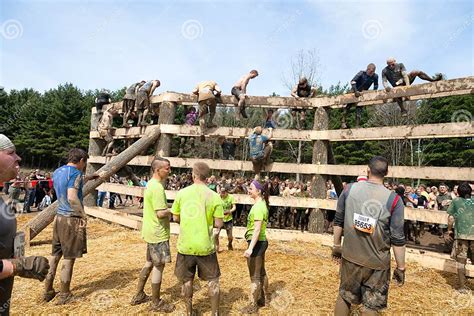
229	207
156	232
198	210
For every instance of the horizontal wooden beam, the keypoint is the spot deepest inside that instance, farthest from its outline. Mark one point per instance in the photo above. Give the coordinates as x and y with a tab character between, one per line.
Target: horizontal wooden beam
459	86
409	172
427	259
423	215
441	130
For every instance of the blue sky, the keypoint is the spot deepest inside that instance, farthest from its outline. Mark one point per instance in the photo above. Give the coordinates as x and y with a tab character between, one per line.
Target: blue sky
110	44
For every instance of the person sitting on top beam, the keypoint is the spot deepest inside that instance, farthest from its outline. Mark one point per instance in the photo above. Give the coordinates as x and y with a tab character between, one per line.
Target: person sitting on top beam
363	80
397	75
302	90
128	103
239	90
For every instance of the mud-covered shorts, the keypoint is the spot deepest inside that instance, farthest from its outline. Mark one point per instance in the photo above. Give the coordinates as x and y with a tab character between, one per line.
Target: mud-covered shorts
69	239
361	285
461	250
207	106
207	267
158	253
142	101
236	92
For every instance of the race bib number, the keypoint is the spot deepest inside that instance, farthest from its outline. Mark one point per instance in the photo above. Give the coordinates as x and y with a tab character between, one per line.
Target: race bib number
19	245
364	224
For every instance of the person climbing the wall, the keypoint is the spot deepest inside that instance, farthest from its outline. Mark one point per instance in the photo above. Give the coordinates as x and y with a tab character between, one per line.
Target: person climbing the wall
142	104
302	90
206	92
239	90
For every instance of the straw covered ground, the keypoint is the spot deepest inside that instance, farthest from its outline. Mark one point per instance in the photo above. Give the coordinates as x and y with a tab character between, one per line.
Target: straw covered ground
303	280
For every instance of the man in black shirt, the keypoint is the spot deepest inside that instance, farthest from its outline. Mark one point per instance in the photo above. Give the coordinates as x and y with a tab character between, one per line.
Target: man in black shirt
228	147
362	81
12	260
302	90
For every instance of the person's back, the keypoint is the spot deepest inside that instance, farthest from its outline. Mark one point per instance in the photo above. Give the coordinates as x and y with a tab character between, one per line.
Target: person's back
205	90
64	178
197	204
257	144
367	224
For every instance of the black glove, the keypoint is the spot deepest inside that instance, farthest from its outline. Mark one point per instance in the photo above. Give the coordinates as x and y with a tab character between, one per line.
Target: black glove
31	267
399	276
357	93
336	252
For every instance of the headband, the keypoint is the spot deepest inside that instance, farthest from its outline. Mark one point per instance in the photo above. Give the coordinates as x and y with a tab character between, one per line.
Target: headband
257	185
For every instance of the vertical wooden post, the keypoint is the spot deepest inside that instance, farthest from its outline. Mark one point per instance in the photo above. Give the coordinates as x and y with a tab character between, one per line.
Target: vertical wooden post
96	146
167	115
320	156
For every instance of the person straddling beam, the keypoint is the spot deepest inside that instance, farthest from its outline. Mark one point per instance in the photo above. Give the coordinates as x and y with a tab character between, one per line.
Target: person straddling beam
373	220
69	227
198	210
228	201
105	130
362	81
206	92
142	104
156	233
302	90
239	90
260	149
128	102
461	216
397	75
12	261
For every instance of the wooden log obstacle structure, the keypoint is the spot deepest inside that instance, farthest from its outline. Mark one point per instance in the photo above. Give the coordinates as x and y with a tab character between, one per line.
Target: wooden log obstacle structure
320	136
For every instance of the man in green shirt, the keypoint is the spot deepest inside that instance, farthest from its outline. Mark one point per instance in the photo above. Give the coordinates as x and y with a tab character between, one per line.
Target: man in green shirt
156	232
198	210
461	214
229	207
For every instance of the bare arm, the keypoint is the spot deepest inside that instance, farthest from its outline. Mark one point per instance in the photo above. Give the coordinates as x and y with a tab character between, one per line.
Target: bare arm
176	218
75	203
163	213
245	83
217	89
294	92
196	90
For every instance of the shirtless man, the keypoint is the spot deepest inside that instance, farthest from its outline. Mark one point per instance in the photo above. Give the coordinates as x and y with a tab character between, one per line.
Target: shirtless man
397	75
105	129
239	90
302	90
143	101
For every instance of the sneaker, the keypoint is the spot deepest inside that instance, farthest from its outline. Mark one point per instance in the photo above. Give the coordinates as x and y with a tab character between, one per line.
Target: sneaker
49	295
249	309
139	298
343	125
211	125
64	298
162	307
404	113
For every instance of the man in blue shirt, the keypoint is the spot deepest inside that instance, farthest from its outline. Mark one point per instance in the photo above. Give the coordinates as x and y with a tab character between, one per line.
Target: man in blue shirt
362	81
69	230
260	149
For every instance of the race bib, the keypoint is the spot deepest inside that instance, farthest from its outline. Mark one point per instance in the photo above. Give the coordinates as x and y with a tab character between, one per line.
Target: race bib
19	245
364	224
